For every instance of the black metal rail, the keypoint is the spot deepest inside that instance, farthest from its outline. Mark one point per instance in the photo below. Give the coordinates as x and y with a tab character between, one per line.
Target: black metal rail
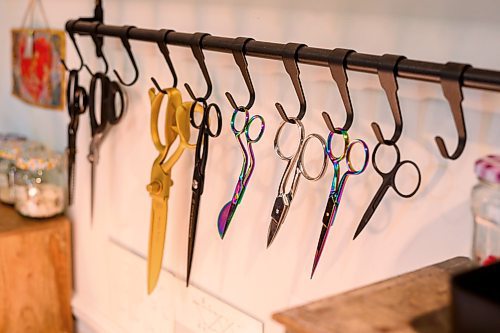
477	78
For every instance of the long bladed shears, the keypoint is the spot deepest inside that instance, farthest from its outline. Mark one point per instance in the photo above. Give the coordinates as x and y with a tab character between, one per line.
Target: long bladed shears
338	183
295	164
176	126
227	212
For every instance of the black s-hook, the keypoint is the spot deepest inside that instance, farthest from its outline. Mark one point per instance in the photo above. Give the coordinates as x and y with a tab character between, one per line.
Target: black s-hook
451	84
238	49
387	74
69	29
98	41
290	59
162	45
126	44
338	68
196	48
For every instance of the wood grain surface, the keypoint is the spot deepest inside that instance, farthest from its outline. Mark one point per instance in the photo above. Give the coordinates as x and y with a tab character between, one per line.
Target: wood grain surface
413	302
35	274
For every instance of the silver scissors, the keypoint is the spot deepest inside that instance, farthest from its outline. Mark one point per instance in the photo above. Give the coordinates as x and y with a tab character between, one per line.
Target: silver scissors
227	212
295	164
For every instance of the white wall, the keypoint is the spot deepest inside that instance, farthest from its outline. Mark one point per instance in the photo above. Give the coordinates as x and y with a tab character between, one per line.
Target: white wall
403	235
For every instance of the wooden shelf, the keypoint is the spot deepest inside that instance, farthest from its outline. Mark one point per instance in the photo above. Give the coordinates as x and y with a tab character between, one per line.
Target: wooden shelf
413	302
35	274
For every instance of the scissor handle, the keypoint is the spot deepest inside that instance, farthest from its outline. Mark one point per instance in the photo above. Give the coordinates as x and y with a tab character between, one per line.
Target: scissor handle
391	175
249	125
297	123
206	115
95	126
352	169
192	118
114	90
301	158
328	147
76	95
236	112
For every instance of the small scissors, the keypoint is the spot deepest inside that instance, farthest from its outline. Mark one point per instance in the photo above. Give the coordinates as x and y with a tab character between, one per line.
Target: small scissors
176	125
227	212
338	183
108	117
295	163
201	156
388	180
76	97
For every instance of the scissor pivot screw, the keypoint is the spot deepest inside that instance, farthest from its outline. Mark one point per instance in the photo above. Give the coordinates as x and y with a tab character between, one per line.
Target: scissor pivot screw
154	187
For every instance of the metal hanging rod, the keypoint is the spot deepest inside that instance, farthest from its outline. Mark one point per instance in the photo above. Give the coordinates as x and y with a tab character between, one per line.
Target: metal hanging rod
409	69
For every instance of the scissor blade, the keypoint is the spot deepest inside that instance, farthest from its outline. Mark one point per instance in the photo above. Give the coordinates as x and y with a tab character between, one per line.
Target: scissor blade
92	188
159	211
328	218
71	177
225	217
193	222
371	209
277	218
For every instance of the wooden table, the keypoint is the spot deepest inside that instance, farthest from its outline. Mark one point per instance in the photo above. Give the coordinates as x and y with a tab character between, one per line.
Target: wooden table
35	274
414	302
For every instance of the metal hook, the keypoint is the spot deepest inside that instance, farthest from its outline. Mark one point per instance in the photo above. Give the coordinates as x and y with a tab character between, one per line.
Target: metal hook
387	74
126	44
338	67
69	29
451	84
329	123
238	49
196	48
290	59
98	41
166	54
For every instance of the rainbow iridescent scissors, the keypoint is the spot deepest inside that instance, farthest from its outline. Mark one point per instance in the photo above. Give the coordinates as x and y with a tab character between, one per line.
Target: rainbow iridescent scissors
176	125
227	212
338	183
295	164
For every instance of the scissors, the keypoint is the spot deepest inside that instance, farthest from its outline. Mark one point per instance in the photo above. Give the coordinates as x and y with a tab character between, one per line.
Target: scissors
227	212
200	162
76	97
338	183
176	125
109	115
295	164
388	180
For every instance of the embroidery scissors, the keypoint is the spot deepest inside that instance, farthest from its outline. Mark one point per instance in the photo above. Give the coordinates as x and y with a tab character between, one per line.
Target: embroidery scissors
295	164
176	125
227	212
76	97
388	181
338	183
109	115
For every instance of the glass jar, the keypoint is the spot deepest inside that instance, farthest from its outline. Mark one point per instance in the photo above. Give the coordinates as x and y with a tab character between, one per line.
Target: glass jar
485	202
10	147
40	184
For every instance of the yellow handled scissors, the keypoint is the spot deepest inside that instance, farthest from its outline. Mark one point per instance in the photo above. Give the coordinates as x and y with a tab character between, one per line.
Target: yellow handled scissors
176	125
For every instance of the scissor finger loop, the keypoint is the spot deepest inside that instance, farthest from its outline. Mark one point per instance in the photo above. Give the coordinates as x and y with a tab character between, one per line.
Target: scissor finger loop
249	125
218	129
115	91
393	181
234	128
192	118
352	169
374	159
297	123
302	157
328	147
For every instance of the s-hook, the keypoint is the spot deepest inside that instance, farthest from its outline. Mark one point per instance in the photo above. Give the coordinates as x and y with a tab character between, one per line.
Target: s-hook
338	68
126	44
387	74
238	50
290	59
69	29
196	48
162	45
98	42
451	84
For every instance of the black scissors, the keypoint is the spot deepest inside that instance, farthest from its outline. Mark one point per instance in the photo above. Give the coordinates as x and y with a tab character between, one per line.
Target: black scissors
76	97
388	180
109	115
200	162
